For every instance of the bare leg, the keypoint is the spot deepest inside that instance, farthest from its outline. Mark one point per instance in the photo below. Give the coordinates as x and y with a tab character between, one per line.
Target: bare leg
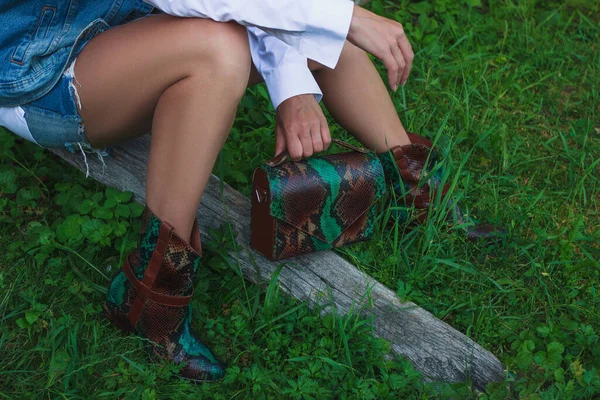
356	96
180	77
358	100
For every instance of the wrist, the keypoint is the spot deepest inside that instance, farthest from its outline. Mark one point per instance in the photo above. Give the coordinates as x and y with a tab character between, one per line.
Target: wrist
297	98
354	21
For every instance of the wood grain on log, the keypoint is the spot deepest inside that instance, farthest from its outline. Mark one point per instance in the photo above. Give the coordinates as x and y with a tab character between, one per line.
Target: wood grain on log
436	349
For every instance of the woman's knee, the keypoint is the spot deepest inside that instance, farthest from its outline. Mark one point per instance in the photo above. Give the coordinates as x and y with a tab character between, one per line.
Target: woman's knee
220	46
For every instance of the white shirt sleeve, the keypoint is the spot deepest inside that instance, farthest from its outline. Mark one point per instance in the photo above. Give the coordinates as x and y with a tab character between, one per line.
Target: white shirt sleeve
284	70
317	29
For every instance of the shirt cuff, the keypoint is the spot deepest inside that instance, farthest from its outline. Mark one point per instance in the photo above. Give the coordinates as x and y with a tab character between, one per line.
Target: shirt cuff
326	34
289	80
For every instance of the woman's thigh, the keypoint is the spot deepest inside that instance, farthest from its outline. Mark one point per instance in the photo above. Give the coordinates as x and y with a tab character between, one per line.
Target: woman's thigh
121	74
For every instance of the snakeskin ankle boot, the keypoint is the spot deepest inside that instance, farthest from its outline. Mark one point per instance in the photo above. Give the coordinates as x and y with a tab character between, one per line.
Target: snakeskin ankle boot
151	297
404	167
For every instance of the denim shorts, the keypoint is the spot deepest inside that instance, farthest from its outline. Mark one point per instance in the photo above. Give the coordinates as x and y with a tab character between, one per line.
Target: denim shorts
54	119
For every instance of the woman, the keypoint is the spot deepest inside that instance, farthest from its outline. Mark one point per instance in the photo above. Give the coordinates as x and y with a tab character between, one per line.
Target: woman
91	74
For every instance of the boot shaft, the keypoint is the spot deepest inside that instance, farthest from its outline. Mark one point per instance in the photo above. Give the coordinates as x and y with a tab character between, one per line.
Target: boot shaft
151	297
178	260
406	166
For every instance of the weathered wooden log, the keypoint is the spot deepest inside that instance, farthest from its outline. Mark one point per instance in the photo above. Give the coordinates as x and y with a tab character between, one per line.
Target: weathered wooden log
436	349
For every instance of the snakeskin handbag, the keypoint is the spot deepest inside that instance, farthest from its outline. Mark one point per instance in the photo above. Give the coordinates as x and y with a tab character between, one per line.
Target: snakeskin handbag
315	204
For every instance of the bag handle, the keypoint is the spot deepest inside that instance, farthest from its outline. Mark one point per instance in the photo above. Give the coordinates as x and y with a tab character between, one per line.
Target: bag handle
281	157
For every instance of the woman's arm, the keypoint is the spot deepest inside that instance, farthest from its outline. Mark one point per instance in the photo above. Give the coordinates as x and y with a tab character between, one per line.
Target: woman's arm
284	70
317	29
301	126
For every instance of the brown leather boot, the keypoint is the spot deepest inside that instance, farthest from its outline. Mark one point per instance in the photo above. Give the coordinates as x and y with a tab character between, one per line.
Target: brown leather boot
151	297
405	166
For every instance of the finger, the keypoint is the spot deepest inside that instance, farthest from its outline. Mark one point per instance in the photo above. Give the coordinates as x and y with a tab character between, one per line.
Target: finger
325	134
409	56
392	67
395	49
294	147
306	139
280	143
317	140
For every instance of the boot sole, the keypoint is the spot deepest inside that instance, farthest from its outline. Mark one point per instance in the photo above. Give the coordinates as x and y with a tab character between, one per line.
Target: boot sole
118	319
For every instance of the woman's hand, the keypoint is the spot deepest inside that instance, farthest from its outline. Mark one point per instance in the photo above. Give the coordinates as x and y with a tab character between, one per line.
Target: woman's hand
301	127
385	39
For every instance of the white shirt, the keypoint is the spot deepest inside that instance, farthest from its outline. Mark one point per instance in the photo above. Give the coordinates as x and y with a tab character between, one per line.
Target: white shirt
283	35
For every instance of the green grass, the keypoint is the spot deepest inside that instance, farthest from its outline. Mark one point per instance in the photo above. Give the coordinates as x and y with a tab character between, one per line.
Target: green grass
510	92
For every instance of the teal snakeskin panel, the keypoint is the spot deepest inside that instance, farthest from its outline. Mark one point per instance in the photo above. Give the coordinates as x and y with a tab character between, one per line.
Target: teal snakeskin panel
324	202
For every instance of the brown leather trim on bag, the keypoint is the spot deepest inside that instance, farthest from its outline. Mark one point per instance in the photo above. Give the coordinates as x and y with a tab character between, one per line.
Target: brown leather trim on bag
281	157
349	146
144	287
262	229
